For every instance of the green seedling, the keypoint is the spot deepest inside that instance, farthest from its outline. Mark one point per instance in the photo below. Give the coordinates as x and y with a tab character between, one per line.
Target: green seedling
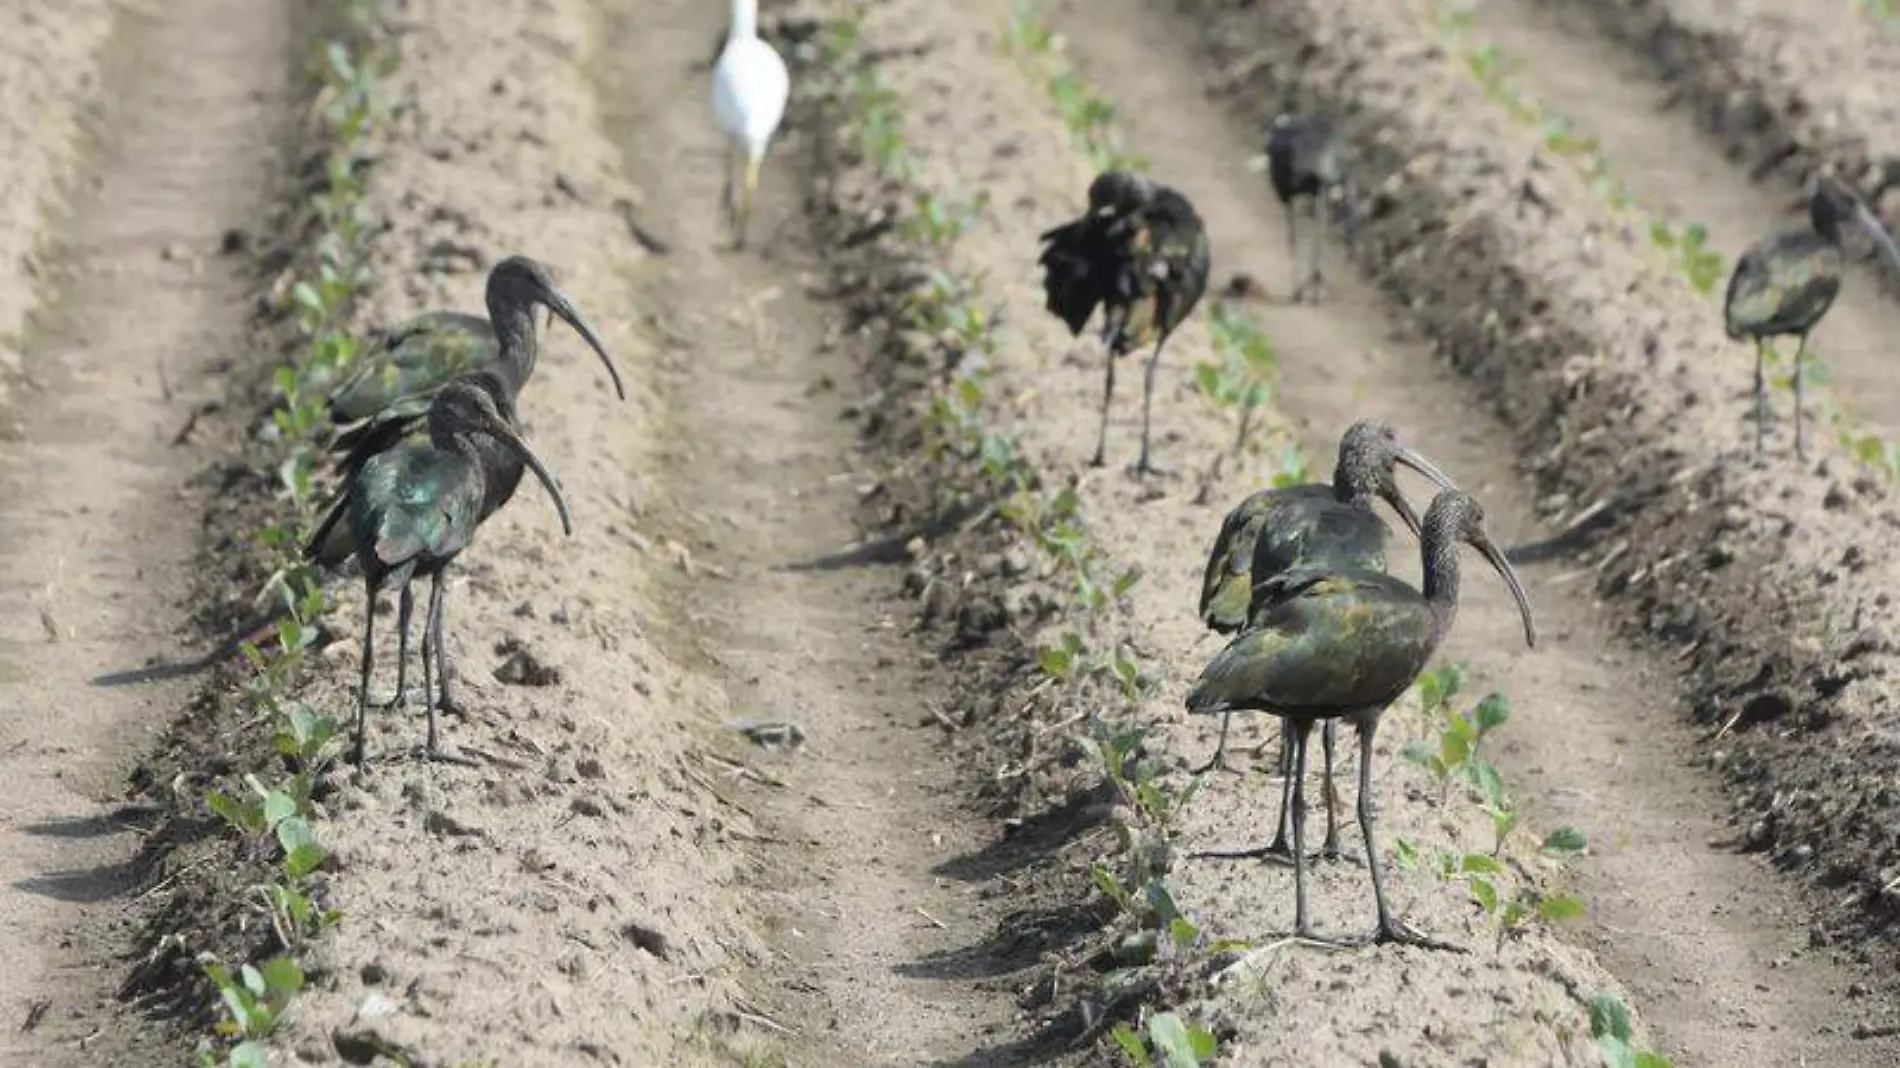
1243	378
1166	1041
1610	1030
254	999
940	219
1452	754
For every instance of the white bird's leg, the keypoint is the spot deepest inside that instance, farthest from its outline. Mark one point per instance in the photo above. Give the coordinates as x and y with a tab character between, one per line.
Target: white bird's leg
746	190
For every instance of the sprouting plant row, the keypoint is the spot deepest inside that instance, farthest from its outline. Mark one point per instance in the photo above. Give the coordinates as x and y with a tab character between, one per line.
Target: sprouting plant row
275	804
963	436
1685	244
1089	116
1509	890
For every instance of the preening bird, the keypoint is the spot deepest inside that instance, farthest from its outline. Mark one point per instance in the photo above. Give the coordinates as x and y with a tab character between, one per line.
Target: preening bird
410	509
1140	252
1787	281
1344	644
750	88
1306	157
1274	531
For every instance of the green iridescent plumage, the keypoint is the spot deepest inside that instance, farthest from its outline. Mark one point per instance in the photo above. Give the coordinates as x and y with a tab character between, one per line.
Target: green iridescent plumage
1785	283
1274	531
1140	253
410	361
410	508
1329	644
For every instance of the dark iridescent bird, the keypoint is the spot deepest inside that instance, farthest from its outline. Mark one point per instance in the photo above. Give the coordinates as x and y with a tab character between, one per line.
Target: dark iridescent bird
1787	281
1140	253
414	358
1344	644
1306	157
1274	531
409	509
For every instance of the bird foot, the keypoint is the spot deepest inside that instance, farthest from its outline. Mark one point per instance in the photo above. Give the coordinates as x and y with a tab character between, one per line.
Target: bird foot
1099	459
1333	855
1145	468
1393	932
398	702
1217	762
448	754
1311	291
1275	851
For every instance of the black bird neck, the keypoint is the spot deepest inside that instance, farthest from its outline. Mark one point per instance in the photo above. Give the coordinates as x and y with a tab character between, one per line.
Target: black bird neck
513	319
1438	549
1353	485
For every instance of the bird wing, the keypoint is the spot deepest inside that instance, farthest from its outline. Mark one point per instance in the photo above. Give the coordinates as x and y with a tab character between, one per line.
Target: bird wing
414	503
1226	586
1335	643
414	359
750	87
1781	285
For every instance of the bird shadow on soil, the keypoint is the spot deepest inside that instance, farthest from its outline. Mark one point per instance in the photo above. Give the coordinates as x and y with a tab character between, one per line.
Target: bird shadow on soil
893	548
103	882
1020	941
1034	839
1044	1044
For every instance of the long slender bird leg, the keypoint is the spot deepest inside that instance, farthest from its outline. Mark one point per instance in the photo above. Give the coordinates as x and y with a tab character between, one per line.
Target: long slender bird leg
747	188
1302	926
730	166
432	640
360	756
1328	736
1316	285
1219	760
1144	465
1293	254
444	674
1108	395
428	657
1389	929
1276	850
1761	395
1800	436
405	606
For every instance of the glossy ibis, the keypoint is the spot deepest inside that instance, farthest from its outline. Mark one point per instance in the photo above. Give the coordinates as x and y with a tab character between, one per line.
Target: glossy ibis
750	87
414	358
1306	157
1140	252
1274	531
411	508
1787	281
1345	643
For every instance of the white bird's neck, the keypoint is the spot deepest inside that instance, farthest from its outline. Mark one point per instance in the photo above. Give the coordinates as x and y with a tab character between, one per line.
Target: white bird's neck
745	19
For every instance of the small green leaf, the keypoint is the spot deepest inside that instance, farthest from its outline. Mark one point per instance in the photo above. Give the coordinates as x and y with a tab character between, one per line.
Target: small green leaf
1481	864
1169	1033
282	976
1564	841
1609	1017
249	1054
1491	713
1183	932
278	807
1484	893
1650	1059
1560	907
1132	1045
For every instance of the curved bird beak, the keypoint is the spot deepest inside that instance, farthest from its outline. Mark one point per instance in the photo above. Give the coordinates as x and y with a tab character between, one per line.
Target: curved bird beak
558	304
516	442
1411	458
1483	543
1871	223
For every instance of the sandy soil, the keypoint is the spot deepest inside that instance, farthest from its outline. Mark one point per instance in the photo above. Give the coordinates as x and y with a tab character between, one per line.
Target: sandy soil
50	90
627	879
101	519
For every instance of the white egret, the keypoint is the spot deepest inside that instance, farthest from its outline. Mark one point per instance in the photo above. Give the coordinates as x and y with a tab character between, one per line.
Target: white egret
750	87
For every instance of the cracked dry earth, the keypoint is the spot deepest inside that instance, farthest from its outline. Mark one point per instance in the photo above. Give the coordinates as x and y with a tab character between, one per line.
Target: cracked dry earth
628	876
